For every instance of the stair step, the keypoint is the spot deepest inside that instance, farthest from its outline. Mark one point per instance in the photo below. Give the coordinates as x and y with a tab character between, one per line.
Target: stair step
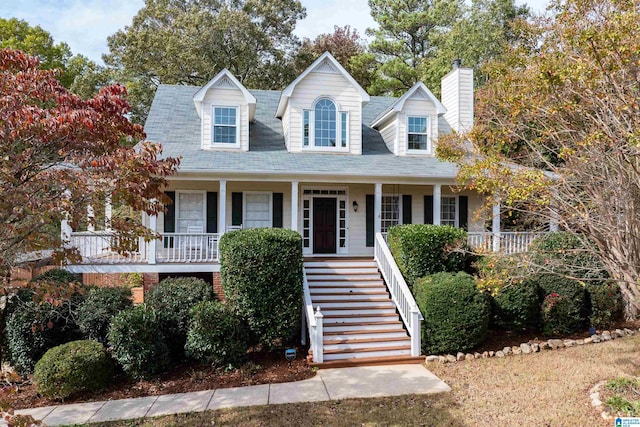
348	303
346	284
340	264
348	327
367	352
341	277
369	361
364	334
342	270
366	342
350	296
340	319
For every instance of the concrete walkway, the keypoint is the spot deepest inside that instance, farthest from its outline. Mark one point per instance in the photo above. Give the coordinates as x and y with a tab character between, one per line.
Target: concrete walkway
328	384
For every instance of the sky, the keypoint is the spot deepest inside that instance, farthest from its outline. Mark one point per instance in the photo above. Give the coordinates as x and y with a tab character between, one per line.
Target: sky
85	24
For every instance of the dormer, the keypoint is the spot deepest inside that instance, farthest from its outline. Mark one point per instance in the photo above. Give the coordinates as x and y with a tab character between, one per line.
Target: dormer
321	110
410	125
225	108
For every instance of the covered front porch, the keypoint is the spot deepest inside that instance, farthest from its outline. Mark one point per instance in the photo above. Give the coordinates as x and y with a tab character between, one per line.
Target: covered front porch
334	219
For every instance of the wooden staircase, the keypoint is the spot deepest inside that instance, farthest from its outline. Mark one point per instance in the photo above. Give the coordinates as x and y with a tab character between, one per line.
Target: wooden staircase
360	325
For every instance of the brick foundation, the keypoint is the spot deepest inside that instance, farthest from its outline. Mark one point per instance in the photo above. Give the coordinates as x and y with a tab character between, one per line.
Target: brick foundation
217	286
150	280
103	280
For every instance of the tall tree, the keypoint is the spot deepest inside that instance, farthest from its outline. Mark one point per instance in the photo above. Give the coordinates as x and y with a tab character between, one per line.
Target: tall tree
60	153
18	34
406	34
189	41
565	104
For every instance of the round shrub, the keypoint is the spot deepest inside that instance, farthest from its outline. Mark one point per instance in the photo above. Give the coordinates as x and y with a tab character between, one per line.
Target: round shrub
571	315
422	249
456	313
261	273
74	367
172	299
137	342
99	307
516	305
556	312
216	336
606	303
38	318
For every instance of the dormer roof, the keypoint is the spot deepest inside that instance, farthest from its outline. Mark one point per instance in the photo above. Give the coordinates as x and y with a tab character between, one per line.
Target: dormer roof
325	63
225	80
417	89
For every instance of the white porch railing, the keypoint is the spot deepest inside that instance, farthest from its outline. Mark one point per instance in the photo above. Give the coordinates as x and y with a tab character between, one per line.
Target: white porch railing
313	321
399	291
509	242
101	247
186	247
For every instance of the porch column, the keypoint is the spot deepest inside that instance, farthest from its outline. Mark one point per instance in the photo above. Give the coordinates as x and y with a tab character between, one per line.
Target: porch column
153	245
108	213
377	209
222	208
553	221
437	199
495	226
65	228
90	218
294	205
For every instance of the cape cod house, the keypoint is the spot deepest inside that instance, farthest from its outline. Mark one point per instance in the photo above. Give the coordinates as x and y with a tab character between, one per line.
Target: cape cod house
321	157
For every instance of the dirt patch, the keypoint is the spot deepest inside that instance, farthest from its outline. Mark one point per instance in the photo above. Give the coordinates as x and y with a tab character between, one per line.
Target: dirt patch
262	368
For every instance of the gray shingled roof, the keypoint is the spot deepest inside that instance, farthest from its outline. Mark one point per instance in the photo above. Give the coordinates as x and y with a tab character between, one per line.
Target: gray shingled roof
174	122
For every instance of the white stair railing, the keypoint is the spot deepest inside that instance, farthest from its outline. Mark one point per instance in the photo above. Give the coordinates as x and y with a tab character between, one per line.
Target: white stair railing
400	293
313	321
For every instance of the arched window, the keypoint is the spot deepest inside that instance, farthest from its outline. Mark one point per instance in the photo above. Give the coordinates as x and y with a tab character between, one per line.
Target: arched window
325	123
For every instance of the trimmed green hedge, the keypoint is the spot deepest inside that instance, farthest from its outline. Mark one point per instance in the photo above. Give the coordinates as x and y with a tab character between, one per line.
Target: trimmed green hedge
216	336
57	275
607	305
516	306
261	273
422	249
456	313
137	342
173	298
73	367
99	307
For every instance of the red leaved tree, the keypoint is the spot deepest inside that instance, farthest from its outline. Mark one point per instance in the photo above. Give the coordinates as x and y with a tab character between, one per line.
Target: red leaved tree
60	154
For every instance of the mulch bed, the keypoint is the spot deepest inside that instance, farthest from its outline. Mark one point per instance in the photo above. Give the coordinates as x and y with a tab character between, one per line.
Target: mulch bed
262	368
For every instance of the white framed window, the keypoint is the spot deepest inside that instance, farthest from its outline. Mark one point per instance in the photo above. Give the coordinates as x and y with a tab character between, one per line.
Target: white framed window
391	212
324	127
449	210
418	134
258	209
225	126
191	211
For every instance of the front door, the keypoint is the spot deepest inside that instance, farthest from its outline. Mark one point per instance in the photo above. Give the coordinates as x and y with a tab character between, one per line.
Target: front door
324	225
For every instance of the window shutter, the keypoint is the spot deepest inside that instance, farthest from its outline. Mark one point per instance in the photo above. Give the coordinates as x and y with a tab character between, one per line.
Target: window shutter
428	209
170	214
236	209
369	208
212	212
277	210
463	208
406	209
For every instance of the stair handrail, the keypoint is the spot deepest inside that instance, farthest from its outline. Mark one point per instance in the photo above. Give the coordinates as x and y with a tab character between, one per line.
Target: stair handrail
313	320
400	293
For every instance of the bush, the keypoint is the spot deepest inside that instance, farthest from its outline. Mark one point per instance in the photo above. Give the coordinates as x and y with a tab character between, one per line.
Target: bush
606	304
172	299
216	336
38	318
422	249
261	273
456	313
98	308
72	368
572	315
516	306
137	342
57	275
557	313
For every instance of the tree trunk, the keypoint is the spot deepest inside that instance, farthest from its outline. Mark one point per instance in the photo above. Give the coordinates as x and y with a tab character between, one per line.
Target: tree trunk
631	295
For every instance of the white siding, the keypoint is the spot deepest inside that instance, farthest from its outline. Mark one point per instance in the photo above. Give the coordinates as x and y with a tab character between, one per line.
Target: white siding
417	106
190	186
316	85
285	126
457	97
274	187
229	98
389	134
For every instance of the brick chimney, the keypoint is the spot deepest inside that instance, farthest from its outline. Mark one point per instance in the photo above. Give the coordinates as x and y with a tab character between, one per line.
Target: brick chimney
457	97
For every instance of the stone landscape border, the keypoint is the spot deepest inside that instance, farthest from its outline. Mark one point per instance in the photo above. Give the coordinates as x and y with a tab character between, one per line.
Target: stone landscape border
529	347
